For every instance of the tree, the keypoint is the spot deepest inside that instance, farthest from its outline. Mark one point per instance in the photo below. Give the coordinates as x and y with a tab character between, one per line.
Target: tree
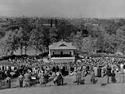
110	43
100	38
36	39
120	33
9	43
88	45
77	40
53	34
23	25
65	28
19	38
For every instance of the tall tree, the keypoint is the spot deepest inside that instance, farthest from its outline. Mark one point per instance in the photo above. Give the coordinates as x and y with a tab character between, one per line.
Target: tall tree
77	40
53	34
36	39
120	33
88	45
9	43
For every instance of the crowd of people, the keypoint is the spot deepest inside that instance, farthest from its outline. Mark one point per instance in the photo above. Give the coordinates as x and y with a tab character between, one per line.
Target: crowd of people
30	72
100	67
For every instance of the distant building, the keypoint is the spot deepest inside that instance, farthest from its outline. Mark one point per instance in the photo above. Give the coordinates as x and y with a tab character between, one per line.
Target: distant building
51	23
62	52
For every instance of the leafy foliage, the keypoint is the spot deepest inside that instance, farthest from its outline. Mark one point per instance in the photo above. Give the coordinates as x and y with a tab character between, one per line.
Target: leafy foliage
88	35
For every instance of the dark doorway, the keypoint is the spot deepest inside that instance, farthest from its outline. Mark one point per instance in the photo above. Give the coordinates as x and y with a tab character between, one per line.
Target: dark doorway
61	53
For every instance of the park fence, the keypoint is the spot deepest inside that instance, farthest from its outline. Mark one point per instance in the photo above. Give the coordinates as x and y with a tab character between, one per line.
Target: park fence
5	84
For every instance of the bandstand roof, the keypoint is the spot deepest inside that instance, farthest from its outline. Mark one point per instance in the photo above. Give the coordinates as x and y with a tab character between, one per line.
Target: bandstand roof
62	45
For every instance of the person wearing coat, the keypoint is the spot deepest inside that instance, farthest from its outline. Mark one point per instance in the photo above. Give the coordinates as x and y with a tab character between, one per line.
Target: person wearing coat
20	78
41	78
93	78
108	73
113	78
58	80
78	77
27	78
8	80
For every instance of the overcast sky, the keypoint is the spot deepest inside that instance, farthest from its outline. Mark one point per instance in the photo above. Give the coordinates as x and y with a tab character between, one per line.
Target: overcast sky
63	8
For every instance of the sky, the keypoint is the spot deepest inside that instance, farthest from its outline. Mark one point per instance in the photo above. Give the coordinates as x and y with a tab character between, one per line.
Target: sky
63	8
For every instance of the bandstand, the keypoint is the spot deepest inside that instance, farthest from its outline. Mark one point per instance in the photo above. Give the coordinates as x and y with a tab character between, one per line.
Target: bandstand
62	53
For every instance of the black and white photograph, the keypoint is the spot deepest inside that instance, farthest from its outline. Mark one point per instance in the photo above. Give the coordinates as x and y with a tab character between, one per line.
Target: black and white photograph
62	46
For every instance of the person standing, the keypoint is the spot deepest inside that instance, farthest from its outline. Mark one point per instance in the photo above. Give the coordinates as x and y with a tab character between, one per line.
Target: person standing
121	67
41	77
78	77
8	80
99	72
93	77
95	70
21	80
45	77
108	72
27	79
113	78
58	80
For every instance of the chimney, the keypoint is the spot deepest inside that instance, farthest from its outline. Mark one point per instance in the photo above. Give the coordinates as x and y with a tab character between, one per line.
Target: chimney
51	22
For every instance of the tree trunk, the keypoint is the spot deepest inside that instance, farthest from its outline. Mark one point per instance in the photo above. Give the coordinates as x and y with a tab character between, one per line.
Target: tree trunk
21	49
25	50
12	52
6	53
36	48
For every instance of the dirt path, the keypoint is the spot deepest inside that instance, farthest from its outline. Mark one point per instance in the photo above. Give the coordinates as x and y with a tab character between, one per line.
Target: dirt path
74	89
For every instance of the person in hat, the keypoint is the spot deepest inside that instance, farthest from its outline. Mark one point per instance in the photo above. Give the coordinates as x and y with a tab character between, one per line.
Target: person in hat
8	80
41	77
58	80
93	77
113	78
78	76
21	80
27	78
108	73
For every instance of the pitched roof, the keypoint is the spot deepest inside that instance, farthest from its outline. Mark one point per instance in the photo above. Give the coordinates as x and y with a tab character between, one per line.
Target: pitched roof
62	45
